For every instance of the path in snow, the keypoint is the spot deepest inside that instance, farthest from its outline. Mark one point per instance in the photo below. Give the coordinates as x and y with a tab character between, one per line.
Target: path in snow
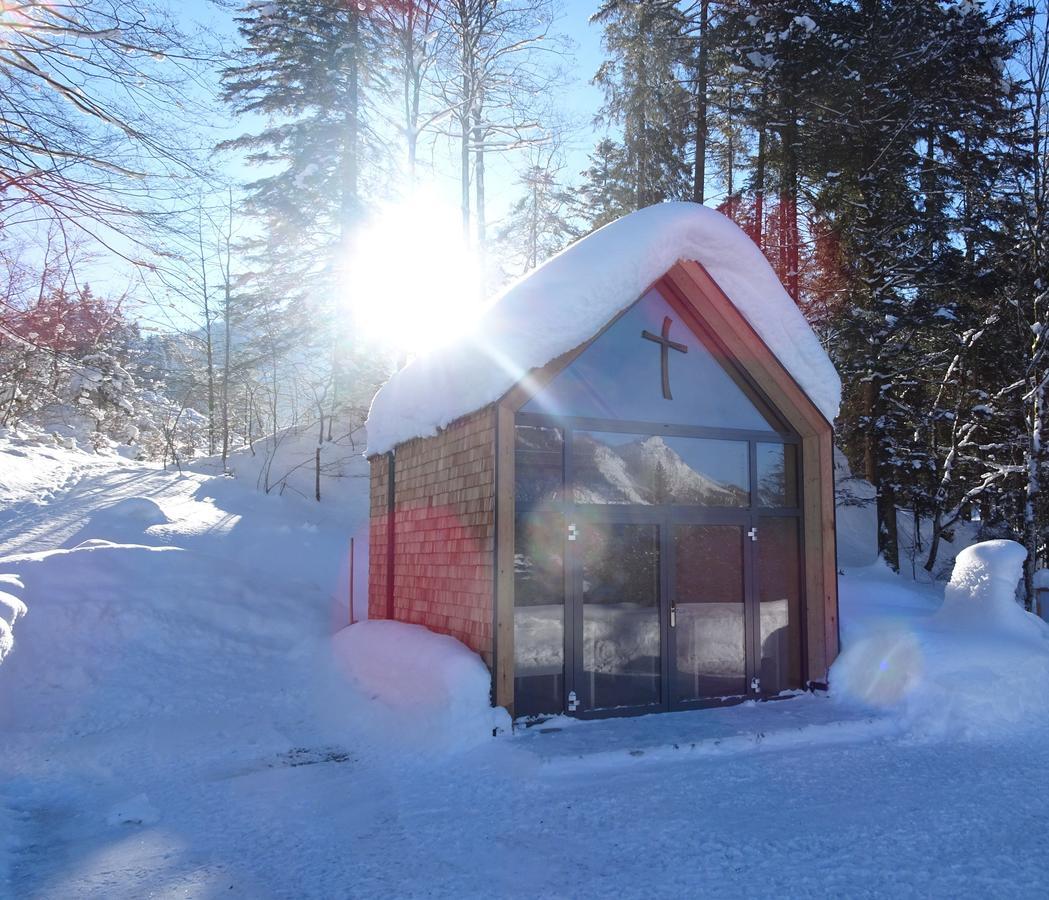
876	819
82	495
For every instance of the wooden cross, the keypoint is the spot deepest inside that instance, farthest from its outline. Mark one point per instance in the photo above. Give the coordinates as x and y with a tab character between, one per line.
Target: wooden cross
665	346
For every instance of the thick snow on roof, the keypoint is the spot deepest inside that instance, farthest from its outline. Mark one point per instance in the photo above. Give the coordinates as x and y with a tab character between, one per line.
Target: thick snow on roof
569	298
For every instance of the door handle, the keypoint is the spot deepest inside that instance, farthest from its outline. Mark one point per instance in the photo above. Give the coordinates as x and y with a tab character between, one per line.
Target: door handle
673	617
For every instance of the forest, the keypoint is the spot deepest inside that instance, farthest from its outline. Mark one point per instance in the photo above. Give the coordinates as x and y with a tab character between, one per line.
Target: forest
192	194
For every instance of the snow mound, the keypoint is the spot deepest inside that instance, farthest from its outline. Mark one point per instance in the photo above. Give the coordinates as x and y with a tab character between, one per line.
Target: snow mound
975	666
140	510
573	295
982	591
125	522
420	684
11	610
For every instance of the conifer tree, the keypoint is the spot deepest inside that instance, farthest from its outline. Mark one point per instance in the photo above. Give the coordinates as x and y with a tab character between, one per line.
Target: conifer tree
910	74
311	70
645	98
605	193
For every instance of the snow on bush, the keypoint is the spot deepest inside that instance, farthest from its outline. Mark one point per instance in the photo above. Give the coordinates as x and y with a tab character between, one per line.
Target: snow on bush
974	666
420	684
982	591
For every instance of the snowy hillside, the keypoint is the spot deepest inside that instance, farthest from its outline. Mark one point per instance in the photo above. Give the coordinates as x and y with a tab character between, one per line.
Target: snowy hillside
183	712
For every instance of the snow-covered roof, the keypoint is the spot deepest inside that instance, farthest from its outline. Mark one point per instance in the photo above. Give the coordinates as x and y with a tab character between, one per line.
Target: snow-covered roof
569	298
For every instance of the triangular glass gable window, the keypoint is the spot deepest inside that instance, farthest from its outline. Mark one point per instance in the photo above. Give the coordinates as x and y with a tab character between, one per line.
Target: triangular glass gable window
621	376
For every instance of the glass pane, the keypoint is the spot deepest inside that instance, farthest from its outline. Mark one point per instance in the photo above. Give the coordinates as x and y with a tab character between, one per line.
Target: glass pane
620	376
621	646
539	621
538	465
709	634
611	467
779	593
777	475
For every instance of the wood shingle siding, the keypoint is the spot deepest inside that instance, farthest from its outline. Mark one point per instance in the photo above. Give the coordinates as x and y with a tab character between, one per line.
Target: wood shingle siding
444	532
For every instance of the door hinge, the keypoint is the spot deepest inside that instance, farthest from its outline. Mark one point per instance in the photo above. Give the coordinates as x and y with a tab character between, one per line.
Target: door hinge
573	532
755	685
573	703
753	533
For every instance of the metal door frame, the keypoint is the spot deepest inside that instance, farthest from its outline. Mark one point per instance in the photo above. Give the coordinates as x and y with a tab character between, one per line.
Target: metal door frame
664	519
574	678
744	520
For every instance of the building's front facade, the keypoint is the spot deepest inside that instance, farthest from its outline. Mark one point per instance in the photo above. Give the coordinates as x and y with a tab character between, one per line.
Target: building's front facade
643	524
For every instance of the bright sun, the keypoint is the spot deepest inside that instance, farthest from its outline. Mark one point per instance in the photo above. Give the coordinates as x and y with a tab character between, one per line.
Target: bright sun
413	281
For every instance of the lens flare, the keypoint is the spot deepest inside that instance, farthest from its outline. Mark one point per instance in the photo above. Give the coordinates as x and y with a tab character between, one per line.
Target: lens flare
412	280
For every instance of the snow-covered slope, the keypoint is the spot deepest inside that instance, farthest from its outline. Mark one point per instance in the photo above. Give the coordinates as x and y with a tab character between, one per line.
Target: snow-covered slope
573	295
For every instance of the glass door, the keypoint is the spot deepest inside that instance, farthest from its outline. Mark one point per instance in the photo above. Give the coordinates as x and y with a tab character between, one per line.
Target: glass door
710	619
618	590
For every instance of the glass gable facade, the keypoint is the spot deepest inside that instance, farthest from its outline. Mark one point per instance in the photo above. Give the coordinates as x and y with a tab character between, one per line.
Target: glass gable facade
620	376
644	471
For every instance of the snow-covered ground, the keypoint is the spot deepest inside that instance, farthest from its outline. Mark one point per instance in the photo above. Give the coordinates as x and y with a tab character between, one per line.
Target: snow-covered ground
180	716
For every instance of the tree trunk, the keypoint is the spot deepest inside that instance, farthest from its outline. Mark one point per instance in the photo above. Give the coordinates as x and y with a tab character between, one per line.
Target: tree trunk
479	200
227	299
411	97
759	191
533	230
350	156
317	476
208	340
464	150
1033	460
874	470
789	207
699	177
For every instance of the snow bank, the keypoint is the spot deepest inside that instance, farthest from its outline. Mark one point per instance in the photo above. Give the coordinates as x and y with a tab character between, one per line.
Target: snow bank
977	664
573	295
285	464
119	633
421	684
11	610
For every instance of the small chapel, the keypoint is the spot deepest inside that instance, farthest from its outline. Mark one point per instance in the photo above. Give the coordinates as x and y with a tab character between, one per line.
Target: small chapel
617	488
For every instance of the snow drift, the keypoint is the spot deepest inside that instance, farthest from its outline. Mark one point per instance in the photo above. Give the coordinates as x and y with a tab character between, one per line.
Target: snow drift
420	684
11	610
977	664
573	295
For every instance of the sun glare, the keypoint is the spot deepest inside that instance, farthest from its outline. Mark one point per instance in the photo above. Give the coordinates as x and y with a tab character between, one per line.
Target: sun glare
413	281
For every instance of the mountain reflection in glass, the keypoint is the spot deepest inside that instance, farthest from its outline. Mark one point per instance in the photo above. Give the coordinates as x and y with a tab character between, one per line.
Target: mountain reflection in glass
539	465
644	469
619	376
